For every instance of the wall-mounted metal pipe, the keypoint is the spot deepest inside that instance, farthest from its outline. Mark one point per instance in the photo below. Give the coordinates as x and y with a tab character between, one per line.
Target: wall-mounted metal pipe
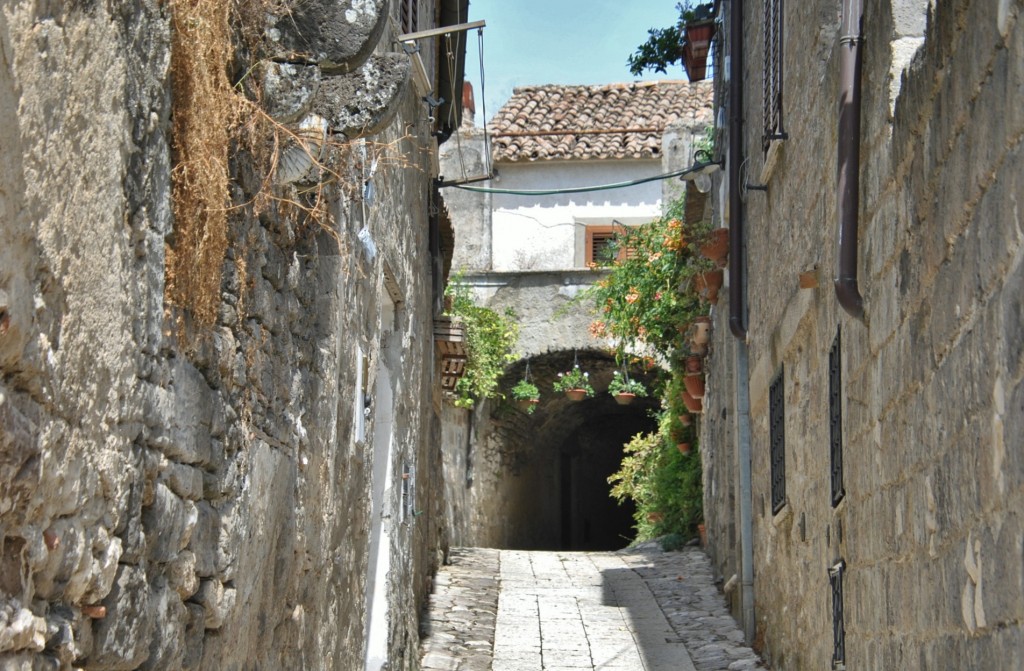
737	270
848	152
738	316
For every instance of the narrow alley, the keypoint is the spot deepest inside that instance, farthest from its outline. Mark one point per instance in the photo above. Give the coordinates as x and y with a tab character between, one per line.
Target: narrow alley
639	609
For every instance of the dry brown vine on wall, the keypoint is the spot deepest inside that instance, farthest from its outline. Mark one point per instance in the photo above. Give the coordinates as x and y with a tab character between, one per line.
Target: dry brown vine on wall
204	109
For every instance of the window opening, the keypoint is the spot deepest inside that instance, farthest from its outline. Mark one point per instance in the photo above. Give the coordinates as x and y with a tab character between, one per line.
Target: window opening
777	429
835	578
772	75
603	248
408	15
835	419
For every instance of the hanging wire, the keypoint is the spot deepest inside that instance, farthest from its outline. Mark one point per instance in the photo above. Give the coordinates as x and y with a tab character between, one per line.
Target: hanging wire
483	103
451	77
575	189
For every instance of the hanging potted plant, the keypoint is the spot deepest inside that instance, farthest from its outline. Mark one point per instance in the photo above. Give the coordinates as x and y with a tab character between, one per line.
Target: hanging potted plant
694	404
701	330
698	30
708	283
716	246
575	384
527	395
694	384
625	390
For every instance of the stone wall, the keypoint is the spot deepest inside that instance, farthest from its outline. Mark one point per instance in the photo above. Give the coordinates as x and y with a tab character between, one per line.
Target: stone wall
929	527
201	498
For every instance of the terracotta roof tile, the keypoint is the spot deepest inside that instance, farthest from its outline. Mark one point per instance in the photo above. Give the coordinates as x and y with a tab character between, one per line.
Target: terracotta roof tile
610	121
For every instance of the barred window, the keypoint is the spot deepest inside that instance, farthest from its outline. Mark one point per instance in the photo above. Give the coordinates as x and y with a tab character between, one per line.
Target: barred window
408	11
772	75
777	438
835	419
835	578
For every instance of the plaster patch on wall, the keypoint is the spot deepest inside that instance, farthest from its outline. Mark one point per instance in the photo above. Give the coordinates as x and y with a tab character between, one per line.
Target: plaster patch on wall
998	440
971	600
931	523
1003	17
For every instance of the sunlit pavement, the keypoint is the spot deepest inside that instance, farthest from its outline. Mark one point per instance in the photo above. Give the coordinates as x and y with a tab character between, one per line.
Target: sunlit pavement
634	610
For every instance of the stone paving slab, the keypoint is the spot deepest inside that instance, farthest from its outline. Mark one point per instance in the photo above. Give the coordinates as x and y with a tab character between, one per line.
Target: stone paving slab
639	609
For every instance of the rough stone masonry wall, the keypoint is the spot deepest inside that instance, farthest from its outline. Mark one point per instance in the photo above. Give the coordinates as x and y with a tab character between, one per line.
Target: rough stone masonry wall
933	400
164	505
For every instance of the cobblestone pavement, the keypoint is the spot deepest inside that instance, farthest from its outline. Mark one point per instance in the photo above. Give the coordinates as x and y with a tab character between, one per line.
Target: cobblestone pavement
639	609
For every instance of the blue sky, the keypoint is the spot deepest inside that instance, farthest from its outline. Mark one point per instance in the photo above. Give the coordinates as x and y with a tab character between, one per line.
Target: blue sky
560	42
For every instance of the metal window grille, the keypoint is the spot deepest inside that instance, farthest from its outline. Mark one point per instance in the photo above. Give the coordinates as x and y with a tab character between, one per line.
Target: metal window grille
408	15
835	419
772	75
835	578
777	434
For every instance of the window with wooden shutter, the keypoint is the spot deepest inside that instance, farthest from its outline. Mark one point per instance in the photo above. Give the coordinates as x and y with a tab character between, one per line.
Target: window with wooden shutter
772	75
602	246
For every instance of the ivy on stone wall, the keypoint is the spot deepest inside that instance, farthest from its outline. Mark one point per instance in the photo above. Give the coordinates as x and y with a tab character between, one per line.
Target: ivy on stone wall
491	338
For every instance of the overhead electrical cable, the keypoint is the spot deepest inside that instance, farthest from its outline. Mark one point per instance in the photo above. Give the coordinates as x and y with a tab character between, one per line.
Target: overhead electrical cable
577	189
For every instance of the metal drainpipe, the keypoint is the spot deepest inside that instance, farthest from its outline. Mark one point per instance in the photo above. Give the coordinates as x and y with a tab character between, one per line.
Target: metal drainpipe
737	315
848	161
737	276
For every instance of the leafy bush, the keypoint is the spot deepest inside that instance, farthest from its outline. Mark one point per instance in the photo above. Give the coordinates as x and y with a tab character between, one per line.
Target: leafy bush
664	484
644	299
664	46
490	340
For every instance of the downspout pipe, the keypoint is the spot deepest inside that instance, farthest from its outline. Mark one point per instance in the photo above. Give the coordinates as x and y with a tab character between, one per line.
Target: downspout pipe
737	316
848	157
737	272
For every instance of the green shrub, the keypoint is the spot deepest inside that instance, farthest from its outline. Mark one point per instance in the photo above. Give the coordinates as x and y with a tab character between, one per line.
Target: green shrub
664	484
490	340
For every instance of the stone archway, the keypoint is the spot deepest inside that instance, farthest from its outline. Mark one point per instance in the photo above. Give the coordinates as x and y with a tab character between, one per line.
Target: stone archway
544	476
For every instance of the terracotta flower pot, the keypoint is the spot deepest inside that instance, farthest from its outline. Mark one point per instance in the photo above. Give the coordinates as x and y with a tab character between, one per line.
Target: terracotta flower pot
699	349
696	48
694	385
624	399
694	405
694	365
576	394
684	448
701	330
716	247
708	284
702	530
685	419
525	404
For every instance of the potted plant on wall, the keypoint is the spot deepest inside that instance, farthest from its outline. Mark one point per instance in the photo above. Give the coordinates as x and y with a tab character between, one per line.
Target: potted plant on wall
526	395
574	383
698	30
625	390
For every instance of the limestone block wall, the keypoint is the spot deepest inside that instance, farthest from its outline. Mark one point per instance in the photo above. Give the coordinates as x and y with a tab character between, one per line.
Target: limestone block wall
929	527
199	499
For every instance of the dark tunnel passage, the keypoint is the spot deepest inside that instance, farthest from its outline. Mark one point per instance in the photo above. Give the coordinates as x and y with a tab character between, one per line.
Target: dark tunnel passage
558	496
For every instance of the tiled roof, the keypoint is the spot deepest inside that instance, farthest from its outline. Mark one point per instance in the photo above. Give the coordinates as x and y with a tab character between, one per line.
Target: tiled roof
610	121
